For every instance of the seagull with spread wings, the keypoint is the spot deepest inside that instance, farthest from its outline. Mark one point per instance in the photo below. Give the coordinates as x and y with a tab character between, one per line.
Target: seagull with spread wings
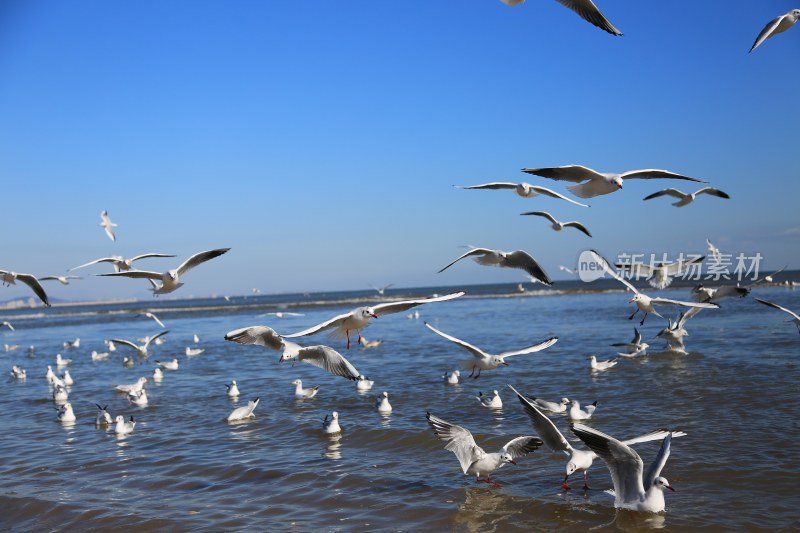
523	189
140	349
585	9
107	225
517	259
558	226
10	278
777	25
795	318
687	198
119	262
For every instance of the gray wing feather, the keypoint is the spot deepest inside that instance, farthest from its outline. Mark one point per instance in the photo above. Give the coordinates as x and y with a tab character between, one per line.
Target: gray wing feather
396	307
261	335
328	359
520	259
135	274
545	428
34	284
458	440
655	173
531	349
766	32
474	350
590	13
522	446
198	258
493	185
658	463
474	251
573	173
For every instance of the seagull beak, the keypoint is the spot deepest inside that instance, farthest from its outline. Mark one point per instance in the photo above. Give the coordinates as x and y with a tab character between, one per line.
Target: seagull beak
669	487
630	301
505	363
280	359
373	315
512	461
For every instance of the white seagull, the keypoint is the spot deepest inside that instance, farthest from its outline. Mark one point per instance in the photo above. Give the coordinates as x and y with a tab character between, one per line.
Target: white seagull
495	402
633	348
171	279
64	280
382	403
158	374
141	350
10	278
148	314
191	352
282	314
795	318
526	190
122	427
233	389
359	318
321	356
60	393
472	458
243	413
67	378
60	361
487	361
660	274
304	394
599	183
553	407
596	365
331	427
714	251
99	356
558	226
138	398
585	9
18	372
644	302
369	344
103	416
576	413
132	387
65	413
777	25
6	324
676	331
453	377
168	365
363	383
381	290
516	259
633	489
119	262
107	225
687	198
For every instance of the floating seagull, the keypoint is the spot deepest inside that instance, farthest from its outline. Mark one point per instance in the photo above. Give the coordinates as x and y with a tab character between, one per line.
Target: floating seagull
660	274
644	302
359	318
148	314
331	426
103	416
10	278
553	407
585	9
158	374
18	372
453	377
196	339
381	290
517	259
795	317
382	403
67	378
601	365
495	402
122	427
579	460
120	263
632	489
60	361
50	376
65	413
777	25
132	387
304	394
576	413
487	361
473	459
110	345
107	225
526	190
363	383
687	198
558	226
714	251
168	365
171	279
138	398
60	393
64	280
7	325
242	413
233	389
128	362
191	352
72	344
10	347
322	356
369	344
599	183
141	350
635	347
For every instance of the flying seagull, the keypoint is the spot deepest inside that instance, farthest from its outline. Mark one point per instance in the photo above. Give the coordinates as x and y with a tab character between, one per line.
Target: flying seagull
777	25
585	9
516	259
140	349
107	225
526	190
687	198
659	274
119	262
9	278
795	317
558	226
599	183
64	280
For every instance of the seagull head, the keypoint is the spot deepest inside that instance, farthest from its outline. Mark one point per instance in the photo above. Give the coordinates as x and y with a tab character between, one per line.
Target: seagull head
662	483
496	360
506	458
571	468
617	181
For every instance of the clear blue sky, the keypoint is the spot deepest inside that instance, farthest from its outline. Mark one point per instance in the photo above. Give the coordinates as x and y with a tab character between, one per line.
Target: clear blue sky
320	140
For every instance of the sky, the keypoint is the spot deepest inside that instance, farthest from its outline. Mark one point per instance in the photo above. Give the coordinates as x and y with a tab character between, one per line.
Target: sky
320	140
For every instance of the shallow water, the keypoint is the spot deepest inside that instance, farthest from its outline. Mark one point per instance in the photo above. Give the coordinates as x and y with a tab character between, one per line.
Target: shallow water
185	468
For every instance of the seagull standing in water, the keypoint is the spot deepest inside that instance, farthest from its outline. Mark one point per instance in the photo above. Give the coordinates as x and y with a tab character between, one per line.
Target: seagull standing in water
472	458
487	361
107	225
382	403
331	427
599	183
10	278
359	318
777	25
517	259
233	389
525	190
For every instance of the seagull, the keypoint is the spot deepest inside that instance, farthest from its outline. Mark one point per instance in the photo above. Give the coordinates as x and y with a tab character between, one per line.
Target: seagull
110	345
60	393
777	25
644	302
7	325
495	402
128	362
282	314
122	427
635	347
107	225
363	383
382	403
473	459
517	259
99	356
599	183
585	9
120	263
67	378
64	280
359	318
453	377
140	350
579	460
526	190
132	387
158	374
72	344
660	274
168	365
191	352
331	426
567	270
714	251
196	339
233	389
632	490
304	394
9	278
138	398
601	365
171	279
701	293
50	376
321	356
687	198
369	344
576	413
487	361
18	372
60	361
553	407
795	317
65	413
381	290
558	226
10	347
148	314
103	416
242	413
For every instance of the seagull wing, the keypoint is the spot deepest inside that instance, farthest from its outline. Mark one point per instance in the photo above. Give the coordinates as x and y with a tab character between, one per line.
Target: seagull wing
767	32
589	12
776	306
686	315
578	226
154	337
143	256
458	440
334	322
520	259
544	214
522	446
328	359
658	463
761	280
101	260
396	307
544	427
126	343
474	251
34	284
659	434
677	267
553	194
531	349
573	173
493	185
713	192
154	317
667	192
261	335
611	272
474	350
135	274
667	301
198	258
655	173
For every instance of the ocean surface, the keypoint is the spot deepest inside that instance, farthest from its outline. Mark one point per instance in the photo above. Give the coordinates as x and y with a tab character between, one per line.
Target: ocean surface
185	468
